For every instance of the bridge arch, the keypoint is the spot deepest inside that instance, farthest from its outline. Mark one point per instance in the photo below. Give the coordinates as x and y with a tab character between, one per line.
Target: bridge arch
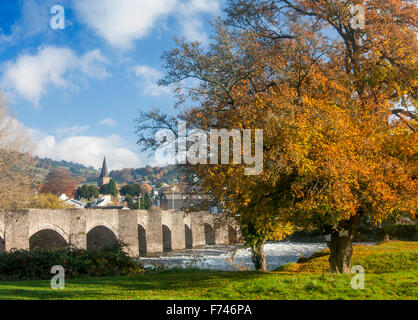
50	226
209	234
100	237
167	245
188	236
103	224
142	239
47	239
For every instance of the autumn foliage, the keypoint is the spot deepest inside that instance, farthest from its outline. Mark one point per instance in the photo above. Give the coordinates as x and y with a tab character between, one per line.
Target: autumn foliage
59	181
337	105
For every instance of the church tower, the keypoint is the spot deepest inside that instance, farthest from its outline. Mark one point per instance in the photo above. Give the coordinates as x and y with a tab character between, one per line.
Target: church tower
104	175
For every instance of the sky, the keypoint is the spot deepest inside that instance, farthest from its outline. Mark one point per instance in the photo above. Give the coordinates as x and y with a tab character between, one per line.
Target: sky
77	86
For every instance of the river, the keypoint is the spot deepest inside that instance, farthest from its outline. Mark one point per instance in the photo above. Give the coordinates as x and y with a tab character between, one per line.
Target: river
232	258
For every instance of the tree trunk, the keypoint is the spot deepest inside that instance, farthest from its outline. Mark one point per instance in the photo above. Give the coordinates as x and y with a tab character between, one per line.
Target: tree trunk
258	257
341	245
341	251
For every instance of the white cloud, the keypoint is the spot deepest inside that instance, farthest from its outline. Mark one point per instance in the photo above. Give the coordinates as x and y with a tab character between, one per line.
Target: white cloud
89	150
148	80
108	122
72	131
192	29
31	75
91	64
121	22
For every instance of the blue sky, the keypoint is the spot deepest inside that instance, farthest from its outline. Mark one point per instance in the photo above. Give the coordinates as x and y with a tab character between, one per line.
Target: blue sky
77	90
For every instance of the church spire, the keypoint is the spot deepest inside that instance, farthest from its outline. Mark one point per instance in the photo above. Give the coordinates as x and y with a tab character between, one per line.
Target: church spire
104	172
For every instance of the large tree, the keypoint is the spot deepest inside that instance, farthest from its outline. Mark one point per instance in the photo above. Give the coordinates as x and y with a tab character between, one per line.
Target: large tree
87	192
59	181
352	138
337	105
130	189
109	188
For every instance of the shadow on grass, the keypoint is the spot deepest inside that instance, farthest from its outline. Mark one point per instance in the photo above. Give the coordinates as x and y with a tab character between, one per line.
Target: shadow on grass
122	287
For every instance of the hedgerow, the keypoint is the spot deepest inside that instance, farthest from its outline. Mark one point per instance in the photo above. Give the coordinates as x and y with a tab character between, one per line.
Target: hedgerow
36	264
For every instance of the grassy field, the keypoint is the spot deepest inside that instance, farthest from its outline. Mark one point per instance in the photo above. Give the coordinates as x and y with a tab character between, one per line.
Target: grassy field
391	273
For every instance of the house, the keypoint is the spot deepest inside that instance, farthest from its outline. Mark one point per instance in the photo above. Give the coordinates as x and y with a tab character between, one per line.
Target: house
176	200
104	201
72	202
63	197
172	200
76	204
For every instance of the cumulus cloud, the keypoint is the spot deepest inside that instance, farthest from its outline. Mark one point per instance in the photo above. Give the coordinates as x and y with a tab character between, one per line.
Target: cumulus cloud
108	122
88	150
121	23
92	64
31	75
192	29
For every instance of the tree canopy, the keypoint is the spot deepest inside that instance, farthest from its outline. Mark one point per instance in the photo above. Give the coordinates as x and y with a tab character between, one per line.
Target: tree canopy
109	188
87	192
337	106
59	181
47	201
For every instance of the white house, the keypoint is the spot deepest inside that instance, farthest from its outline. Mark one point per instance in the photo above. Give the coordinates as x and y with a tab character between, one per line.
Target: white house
104	201
63	197
75	203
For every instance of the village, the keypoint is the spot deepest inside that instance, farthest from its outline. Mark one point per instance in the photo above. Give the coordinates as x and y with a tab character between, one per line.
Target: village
107	194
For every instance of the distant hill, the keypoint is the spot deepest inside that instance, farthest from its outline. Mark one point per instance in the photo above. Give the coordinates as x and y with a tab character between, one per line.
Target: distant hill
80	172
154	175
89	175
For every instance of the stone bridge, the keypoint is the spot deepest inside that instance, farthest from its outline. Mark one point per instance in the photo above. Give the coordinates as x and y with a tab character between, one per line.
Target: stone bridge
144	232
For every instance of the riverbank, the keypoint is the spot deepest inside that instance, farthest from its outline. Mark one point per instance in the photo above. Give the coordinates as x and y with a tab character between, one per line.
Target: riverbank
391	272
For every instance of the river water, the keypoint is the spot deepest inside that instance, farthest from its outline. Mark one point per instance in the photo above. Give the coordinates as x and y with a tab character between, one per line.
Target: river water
232	258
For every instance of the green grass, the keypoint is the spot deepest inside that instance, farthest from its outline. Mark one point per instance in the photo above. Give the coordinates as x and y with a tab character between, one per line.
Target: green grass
391	273
386	257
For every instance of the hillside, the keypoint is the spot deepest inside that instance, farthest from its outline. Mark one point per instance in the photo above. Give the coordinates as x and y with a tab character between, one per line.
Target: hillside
85	174
155	175
80	172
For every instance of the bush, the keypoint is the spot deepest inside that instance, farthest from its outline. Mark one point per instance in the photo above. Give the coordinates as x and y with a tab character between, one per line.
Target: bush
36	264
402	232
